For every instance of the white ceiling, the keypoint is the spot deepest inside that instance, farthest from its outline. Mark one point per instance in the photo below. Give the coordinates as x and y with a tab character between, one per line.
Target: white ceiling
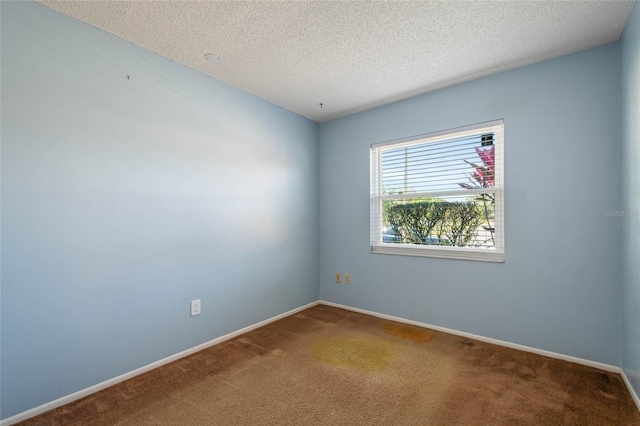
352	56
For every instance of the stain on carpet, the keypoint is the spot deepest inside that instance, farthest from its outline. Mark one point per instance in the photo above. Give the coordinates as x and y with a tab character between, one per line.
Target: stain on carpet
410	332
328	367
355	352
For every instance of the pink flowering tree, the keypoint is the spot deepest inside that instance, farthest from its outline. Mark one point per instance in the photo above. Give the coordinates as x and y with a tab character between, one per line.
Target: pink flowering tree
483	176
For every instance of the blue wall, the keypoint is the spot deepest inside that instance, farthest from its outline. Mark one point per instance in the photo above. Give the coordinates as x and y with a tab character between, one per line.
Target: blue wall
631	198
124	199
559	288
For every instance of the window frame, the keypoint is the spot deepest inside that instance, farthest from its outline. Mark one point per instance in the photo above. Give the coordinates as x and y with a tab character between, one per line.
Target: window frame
376	196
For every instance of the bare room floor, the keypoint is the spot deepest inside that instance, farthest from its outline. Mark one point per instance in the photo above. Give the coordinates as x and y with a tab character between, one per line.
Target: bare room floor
327	366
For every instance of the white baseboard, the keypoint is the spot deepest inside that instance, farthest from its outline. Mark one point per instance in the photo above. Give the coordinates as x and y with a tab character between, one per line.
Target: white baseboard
595	364
103	385
632	391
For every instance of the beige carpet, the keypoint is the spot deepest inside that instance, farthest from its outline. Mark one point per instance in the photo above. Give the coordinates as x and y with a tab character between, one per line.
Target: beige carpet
326	366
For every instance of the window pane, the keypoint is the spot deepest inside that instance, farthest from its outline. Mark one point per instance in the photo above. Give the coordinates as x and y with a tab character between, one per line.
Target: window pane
452	221
440	194
452	164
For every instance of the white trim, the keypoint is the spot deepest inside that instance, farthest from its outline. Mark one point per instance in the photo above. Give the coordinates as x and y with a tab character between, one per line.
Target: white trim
594	364
630	388
377	197
464	253
451	192
107	383
443	134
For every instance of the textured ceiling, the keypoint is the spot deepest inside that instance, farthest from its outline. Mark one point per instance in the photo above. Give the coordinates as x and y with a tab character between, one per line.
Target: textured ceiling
352	56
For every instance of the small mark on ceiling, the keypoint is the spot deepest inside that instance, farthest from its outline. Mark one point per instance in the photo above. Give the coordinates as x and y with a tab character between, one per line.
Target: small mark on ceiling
211	57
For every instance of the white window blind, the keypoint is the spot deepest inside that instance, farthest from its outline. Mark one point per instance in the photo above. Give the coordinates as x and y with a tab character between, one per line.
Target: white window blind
440	194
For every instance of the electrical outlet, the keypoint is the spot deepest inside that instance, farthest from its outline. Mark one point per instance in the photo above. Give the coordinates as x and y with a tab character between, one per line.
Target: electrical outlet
347	278
195	307
338	278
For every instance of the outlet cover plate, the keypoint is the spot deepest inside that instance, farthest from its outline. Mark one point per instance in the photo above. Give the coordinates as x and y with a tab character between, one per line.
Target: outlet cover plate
195	307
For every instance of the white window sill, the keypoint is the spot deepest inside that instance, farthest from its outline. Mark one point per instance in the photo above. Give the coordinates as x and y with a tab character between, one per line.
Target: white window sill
483	255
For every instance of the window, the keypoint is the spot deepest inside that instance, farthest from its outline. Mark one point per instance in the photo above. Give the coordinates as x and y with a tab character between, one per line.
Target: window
440	194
